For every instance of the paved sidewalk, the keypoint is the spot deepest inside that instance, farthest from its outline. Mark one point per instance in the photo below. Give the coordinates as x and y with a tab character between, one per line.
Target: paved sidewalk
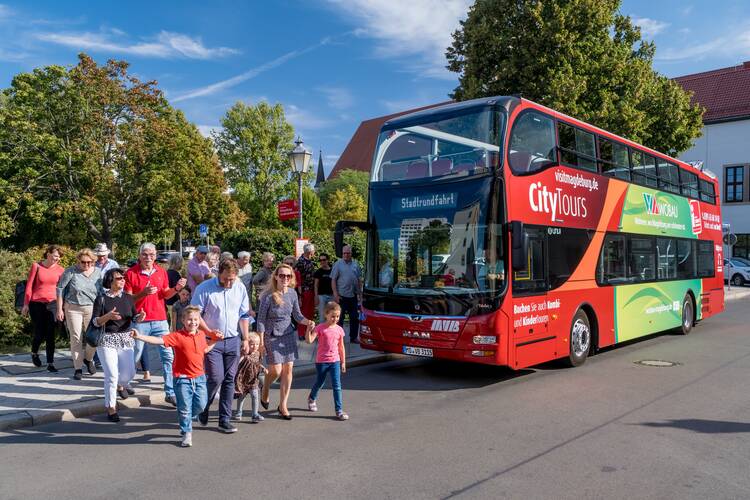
32	396
737	292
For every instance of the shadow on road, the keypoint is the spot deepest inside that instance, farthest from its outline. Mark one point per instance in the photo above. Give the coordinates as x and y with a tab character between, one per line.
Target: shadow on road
98	430
425	375
702	426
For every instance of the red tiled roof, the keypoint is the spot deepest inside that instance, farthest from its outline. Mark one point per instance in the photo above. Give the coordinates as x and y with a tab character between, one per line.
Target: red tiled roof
361	147
725	93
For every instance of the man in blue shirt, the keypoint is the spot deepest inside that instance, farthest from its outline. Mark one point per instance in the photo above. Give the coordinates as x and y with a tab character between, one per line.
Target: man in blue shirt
225	307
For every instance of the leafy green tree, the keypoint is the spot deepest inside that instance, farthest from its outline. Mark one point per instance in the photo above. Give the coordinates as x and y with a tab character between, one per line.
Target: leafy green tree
345	204
92	154
253	147
347	177
581	57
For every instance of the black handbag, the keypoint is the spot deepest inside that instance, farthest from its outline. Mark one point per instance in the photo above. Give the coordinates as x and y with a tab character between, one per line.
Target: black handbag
93	333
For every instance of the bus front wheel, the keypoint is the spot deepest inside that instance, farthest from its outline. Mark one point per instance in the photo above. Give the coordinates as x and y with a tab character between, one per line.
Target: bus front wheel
688	315
580	339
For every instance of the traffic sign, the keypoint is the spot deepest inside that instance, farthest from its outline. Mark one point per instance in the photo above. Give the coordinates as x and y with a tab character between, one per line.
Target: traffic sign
730	239
203	230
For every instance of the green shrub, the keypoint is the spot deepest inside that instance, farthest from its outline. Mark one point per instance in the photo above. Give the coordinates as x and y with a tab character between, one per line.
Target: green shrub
281	242
15	330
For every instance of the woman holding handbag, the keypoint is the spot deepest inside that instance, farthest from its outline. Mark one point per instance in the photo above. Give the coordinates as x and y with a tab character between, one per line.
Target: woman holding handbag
114	313
39	303
76	292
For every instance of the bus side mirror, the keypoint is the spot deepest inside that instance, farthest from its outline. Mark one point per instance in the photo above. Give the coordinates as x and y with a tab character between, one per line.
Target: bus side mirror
342	227
519	245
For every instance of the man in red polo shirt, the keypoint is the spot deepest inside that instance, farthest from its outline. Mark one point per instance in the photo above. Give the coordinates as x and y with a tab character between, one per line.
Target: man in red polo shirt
149	286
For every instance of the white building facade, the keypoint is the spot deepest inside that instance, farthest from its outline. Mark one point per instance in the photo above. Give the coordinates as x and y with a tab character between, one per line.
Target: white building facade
724	147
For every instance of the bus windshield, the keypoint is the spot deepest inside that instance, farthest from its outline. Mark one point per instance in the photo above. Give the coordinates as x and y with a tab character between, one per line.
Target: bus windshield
433	240
457	144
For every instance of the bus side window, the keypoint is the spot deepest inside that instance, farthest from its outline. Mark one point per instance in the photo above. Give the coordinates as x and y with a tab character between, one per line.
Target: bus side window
614	159
705	259
612	260
642	259
533	279
665	259
532	143
686	264
577	147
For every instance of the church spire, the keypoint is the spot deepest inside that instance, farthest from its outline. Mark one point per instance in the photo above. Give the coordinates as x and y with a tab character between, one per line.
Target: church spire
321	177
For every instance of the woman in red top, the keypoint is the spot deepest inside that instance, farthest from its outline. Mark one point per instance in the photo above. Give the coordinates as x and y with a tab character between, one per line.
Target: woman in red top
39	302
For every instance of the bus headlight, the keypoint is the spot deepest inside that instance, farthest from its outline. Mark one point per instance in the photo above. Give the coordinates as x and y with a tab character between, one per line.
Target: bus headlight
365	330
485	339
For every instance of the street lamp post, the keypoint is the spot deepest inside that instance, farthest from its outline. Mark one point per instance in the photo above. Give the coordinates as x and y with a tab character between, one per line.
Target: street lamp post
300	161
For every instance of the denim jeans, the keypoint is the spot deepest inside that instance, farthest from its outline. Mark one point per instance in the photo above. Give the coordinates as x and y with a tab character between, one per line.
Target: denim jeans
192	396
157	329
334	369
322	301
350	306
221	367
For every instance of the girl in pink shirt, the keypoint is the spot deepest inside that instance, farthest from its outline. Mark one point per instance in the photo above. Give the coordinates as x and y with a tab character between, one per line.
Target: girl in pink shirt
331	357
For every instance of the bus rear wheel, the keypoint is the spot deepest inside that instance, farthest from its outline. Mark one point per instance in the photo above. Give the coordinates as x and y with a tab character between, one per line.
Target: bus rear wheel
580	340
688	315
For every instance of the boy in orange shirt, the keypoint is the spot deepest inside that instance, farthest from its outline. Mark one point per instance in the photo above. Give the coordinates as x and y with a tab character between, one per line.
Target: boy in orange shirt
190	346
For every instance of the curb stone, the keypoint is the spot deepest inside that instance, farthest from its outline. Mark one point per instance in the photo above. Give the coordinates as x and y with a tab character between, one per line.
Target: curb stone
32	418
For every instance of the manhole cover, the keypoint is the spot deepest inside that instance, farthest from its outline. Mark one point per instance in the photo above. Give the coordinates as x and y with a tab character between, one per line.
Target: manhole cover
660	363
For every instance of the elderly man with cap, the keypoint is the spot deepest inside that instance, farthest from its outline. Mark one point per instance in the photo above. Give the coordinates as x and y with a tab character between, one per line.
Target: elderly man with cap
198	268
103	262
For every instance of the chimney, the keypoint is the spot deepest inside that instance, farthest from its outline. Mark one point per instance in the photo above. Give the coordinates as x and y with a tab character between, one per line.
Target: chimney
746	65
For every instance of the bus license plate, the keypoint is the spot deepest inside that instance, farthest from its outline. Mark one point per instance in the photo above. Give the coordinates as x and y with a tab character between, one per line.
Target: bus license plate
418	351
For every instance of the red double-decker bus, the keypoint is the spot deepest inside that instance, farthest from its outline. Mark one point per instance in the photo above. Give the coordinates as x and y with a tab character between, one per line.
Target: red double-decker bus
500	231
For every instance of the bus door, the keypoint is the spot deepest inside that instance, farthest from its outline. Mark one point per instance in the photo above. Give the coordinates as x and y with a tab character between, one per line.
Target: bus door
531	341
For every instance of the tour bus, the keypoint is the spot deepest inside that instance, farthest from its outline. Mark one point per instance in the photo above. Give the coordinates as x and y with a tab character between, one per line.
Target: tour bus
502	232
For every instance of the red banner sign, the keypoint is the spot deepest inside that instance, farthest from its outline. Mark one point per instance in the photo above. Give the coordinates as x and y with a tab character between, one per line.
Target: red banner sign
288	209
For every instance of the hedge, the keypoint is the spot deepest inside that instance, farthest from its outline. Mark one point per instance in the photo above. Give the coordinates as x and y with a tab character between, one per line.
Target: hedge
15	330
281	242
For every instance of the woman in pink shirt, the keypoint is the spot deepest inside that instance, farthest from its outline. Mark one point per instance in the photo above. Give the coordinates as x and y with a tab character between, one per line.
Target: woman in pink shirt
331	358
40	302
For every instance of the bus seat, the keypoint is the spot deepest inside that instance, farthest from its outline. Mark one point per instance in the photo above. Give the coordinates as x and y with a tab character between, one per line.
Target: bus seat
416	169
464	166
520	161
393	171
442	166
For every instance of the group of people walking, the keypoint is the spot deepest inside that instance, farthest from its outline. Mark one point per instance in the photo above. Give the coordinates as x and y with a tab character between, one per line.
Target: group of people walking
216	342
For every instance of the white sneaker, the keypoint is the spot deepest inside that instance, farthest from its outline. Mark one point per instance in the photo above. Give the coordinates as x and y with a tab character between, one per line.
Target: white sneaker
341	415
187	440
312	405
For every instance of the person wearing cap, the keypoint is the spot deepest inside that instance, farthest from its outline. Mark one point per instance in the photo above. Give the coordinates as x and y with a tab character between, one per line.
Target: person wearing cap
198	268
103	262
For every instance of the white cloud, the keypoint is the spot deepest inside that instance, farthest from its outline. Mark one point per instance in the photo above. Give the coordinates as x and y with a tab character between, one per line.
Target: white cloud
247	75
165	45
337	97
650	27
206	130
420	28
733	45
303	119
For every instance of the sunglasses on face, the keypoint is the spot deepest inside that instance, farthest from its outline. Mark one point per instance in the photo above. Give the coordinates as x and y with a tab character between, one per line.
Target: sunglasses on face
85	262
285	276
119	278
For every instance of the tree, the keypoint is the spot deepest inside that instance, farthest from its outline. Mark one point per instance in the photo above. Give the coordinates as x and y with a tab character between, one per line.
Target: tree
313	215
345	204
347	177
253	148
581	57
94	154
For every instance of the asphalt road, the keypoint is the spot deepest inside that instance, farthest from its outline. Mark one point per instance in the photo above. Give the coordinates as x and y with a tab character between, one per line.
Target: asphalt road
429	429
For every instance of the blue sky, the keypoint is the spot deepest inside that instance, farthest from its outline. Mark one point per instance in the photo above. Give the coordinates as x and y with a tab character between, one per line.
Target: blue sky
331	63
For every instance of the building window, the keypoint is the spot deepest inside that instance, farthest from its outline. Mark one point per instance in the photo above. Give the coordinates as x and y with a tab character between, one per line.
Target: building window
734	183
742	247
